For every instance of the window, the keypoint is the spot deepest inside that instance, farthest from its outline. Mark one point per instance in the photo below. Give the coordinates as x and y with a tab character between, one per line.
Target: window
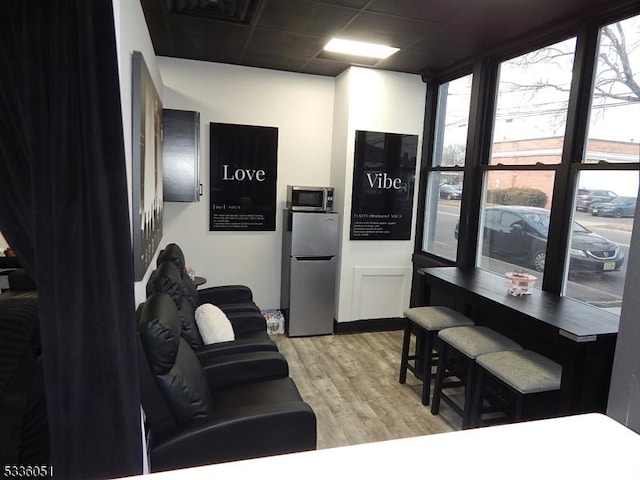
531	107
607	177
528	135
444	189
515	227
529	203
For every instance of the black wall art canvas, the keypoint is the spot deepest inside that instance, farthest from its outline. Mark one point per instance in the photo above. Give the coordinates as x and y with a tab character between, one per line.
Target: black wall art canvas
147	206
244	173
383	183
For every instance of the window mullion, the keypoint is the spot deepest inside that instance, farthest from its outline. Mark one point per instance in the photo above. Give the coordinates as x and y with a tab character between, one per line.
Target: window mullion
483	95
573	149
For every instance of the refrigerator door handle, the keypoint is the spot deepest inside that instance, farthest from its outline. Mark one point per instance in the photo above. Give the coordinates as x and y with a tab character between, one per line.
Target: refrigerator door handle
313	259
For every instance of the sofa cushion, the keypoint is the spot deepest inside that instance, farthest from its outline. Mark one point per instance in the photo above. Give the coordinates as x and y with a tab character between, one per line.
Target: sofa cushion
213	324
185	388
173	253
159	328
176	369
166	279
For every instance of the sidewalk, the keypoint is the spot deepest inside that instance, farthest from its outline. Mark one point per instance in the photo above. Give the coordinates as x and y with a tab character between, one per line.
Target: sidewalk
608	223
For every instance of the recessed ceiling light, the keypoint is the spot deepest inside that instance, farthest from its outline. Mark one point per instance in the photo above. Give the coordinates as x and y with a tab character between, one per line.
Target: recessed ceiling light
360	49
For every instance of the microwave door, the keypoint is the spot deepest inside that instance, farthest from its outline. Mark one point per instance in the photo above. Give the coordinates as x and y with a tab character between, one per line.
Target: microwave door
312	200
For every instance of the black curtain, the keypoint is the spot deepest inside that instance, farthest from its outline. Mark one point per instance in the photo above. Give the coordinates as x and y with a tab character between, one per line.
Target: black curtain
64	210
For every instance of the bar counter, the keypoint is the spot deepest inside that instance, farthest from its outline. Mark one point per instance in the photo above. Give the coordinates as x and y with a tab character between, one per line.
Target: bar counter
578	336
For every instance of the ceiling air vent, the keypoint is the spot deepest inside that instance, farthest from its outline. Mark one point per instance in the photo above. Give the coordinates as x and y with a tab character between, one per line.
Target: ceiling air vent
229	10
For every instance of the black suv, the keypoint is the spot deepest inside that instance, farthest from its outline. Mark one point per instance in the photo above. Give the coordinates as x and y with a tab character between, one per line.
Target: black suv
587	196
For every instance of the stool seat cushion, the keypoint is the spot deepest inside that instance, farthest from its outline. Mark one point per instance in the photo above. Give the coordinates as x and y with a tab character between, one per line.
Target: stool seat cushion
475	341
524	370
436	318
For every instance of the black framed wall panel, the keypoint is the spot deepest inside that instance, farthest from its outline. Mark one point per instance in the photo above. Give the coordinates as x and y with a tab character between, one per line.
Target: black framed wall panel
181	155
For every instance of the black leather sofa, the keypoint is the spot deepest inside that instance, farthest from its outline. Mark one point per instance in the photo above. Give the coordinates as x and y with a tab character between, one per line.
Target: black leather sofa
230	298
249	327
200	415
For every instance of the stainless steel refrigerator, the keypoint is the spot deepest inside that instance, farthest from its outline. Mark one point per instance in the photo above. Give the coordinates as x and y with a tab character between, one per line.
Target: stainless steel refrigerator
309	248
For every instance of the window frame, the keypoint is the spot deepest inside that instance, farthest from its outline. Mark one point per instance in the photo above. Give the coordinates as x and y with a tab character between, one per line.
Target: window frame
428	147
480	132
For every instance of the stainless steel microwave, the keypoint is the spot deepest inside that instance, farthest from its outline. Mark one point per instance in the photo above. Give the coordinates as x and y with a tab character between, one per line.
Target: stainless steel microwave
309	199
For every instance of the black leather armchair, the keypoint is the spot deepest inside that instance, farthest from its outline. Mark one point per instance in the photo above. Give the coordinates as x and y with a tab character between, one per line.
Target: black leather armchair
249	327
229	298
198	415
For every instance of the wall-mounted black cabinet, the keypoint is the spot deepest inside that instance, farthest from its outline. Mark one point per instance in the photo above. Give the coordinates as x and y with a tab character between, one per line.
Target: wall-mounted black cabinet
181	156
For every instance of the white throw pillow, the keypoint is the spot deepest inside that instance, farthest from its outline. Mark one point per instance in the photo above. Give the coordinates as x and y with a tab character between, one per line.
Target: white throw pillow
213	324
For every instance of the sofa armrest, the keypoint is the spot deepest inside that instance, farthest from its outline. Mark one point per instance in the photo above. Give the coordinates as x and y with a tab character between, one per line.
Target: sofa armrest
225	294
237	434
208	353
242	368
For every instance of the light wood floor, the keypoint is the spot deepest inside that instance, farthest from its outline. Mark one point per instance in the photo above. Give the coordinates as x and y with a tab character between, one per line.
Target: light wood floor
351	382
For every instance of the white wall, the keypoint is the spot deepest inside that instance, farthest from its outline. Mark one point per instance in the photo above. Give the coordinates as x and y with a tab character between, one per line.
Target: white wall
301	107
317	118
374	279
374	276
132	34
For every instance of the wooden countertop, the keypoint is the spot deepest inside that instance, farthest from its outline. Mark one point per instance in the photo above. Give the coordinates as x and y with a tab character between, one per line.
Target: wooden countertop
575	320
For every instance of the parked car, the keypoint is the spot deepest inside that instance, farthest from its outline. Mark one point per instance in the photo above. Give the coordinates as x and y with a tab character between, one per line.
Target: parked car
618	207
450	192
588	196
518	235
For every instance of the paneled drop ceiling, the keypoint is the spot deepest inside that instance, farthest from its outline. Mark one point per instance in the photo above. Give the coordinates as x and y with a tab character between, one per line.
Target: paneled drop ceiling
290	34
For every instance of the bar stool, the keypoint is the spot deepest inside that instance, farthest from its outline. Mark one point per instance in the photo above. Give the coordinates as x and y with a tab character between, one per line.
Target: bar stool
425	323
466	344
524	373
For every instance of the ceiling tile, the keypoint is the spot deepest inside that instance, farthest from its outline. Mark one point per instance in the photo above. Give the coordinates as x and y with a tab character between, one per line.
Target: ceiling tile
407	60
519	15
277	62
290	34
429	10
159	5
457	38
461	44
357	4
208	39
348	59
319	66
394	31
266	41
160	36
311	18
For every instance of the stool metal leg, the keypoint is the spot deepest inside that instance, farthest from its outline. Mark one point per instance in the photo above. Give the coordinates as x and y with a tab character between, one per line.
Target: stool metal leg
404	360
